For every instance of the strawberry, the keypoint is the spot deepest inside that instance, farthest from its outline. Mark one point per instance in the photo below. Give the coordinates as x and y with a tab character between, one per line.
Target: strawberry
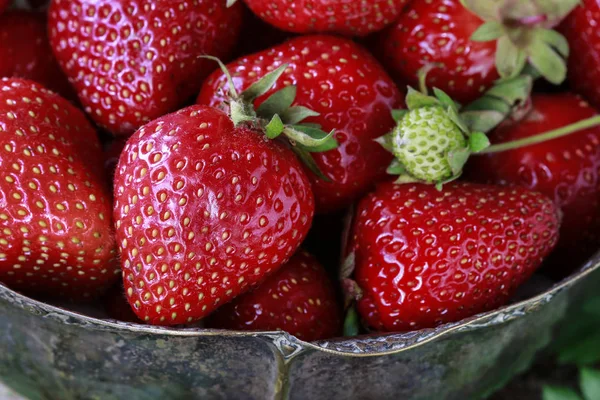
4	5
564	169
204	210
26	53
353	95
451	38
584	60
350	18
299	299
423	257
55	236
133	62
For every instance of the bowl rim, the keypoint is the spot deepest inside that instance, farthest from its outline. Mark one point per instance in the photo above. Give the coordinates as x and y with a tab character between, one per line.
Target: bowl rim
414	338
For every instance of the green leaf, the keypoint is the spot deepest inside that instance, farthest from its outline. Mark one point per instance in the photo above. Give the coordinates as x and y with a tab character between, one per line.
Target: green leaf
457	160
386	141
313	140
398	115
488	31
589	380
478	141
232	92
584	352
451	112
445	99
512	91
559	393
396	168
277	103
510	60
554	39
348	266
482	121
297	114
310	163
240	112
416	99
405	178
486	10
264	84
230	3
311	125
275	127
351	323
548	62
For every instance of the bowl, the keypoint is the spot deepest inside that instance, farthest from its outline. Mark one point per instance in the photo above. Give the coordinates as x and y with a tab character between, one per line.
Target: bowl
49	353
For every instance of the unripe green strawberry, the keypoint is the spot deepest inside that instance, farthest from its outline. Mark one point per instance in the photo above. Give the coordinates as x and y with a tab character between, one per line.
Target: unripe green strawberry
422	141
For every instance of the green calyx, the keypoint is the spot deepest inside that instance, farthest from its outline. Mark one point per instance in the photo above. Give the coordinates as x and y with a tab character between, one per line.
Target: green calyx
431	142
277	117
524	34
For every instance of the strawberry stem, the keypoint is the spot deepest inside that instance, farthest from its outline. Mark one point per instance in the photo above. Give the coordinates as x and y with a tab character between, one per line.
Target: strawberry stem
554	134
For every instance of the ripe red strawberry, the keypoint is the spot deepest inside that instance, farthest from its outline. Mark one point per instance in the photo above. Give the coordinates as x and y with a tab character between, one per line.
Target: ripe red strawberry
204	211
299	299
4	4
26	53
584	60
350	18
424	257
564	169
134	61
341	81
439	31
55	235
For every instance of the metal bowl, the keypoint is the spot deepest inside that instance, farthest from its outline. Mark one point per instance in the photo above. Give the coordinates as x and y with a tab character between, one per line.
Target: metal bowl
49	353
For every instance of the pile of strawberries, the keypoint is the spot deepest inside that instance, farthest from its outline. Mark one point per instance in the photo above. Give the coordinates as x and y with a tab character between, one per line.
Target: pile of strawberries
428	152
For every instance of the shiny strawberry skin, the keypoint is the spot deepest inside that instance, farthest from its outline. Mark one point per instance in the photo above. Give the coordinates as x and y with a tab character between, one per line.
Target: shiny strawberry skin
299	299
203	212
26	53
343	17
350	90
426	257
439	31
580	29
55	221
566	169
136	61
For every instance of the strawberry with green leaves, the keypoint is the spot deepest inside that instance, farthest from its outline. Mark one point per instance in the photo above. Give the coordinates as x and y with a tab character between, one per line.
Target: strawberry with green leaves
206	207
134	61
348	92
471	43
420	257
342	17
299	299
55	223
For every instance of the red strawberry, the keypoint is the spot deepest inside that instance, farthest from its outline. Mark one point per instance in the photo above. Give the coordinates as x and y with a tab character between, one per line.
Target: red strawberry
299	299
351	18
55	235
135	61
460	49
4	4
204	211
424	257
341	81
26	53
439	31
564	169
580	29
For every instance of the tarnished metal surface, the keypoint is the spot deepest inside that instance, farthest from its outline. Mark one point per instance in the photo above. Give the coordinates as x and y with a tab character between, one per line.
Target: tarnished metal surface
51	354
